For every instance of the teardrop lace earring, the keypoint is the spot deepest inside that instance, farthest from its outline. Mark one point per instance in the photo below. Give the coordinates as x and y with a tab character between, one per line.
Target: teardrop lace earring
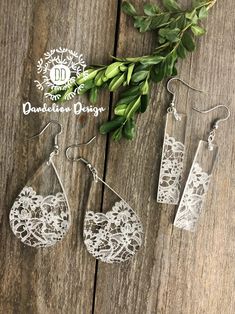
114	236
196	187
40	215
169	185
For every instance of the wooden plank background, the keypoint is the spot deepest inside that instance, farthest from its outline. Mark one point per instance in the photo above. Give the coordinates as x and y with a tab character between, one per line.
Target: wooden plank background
175	272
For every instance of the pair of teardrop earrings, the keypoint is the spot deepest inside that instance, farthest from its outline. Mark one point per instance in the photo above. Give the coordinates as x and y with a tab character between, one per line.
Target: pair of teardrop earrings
172	165
40	215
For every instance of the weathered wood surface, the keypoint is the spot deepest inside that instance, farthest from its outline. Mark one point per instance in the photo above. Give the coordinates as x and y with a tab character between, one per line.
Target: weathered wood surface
175	272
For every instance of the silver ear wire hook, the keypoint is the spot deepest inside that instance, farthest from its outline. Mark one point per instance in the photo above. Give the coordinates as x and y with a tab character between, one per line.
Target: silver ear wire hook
88	164
215	124
78	145
55	145
172	104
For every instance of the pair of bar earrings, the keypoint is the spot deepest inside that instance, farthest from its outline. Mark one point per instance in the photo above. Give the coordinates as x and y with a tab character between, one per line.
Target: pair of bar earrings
172	164
40	215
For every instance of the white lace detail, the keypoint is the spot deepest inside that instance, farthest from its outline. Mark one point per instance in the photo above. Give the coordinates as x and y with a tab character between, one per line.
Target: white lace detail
192	200
171	171
39	221
115	236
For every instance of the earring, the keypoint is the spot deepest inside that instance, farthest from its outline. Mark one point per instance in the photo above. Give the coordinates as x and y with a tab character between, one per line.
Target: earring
115	236
199	177
171	169
40	215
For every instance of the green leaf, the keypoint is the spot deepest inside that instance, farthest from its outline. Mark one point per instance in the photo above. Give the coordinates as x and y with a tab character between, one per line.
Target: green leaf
159	21
128	8
151	9
123	68
141	67
126	100
112	70
84	78
120	110
144	88
116	82
143	23
138	20
180	22
174	71
151	60
56	92
129	73
203	13
117	135
99	78
137	59
172	35
188	42
199	3
87	85
192	16
171	5
157	73
198	30
133	107
64	95
181	51
131	91
139	76
144	103
129	129
93	95
161	40
169	64
109	126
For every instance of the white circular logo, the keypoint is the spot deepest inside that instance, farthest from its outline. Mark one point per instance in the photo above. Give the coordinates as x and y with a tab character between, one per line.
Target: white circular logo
60	74
59	69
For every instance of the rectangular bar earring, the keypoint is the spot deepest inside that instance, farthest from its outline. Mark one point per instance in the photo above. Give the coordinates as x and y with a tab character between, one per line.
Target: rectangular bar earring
196	187
169	185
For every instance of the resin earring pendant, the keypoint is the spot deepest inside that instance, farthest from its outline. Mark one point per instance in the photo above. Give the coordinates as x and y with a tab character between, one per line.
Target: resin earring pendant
199	177
114	236
40	215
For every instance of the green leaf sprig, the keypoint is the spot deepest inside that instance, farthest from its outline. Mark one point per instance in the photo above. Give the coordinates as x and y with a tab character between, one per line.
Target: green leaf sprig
176	30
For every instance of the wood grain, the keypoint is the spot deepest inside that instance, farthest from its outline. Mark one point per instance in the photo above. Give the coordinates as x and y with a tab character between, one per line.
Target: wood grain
175	272
59	279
